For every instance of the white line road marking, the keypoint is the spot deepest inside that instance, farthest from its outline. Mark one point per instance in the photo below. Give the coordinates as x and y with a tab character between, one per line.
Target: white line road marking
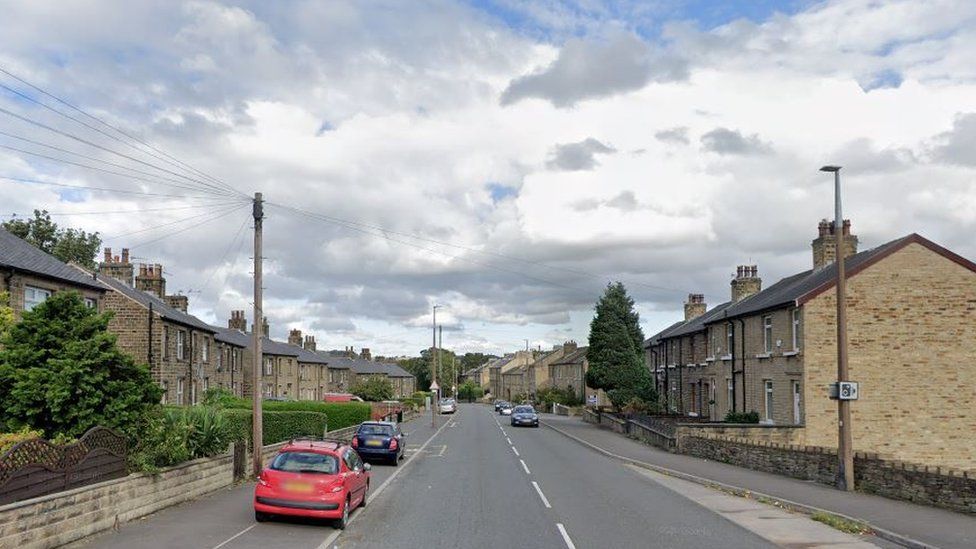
508	440
541	495
524	466
328	541
562	530
516	451
235	536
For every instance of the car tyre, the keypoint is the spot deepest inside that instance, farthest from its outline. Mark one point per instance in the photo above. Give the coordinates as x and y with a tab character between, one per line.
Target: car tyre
395	461
261	517
342	522
362	504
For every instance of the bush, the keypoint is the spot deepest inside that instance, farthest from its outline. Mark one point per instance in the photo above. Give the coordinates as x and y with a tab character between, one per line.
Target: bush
276	427
340	414
8	440
218	397
374	389
742	417
548	396
172	435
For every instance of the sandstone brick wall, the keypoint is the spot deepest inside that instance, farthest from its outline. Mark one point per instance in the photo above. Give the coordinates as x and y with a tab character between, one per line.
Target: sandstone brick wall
58	519
19	280
912	344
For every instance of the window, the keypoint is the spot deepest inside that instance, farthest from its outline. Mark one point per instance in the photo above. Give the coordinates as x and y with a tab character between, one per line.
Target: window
795	390
91	303
205	350
165	341
220	359
305	462
179	391
768	333
730	335
34	297
768	390
206	384
162	400
731	394
193	392
268	366
180	341
796	329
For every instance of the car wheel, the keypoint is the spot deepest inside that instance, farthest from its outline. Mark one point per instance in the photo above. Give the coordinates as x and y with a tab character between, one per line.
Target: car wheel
396	461
344	521
261	517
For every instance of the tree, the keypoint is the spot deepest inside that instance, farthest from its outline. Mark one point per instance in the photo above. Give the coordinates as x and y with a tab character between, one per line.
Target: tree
470	391
420	368
64	244
61	373
374	389
616	350
7	318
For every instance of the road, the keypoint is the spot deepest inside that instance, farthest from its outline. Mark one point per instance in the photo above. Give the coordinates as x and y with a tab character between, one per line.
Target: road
477	483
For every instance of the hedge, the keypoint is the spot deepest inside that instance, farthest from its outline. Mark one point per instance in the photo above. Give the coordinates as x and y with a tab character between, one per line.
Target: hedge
340	414
277	426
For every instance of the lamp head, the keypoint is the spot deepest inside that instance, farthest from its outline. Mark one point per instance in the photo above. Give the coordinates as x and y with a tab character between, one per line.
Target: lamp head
834	169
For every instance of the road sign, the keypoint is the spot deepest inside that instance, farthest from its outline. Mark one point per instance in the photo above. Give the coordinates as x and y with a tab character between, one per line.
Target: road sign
591	400
847	390
434	386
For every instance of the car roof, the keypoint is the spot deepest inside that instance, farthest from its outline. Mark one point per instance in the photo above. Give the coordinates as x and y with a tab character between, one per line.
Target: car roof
390	423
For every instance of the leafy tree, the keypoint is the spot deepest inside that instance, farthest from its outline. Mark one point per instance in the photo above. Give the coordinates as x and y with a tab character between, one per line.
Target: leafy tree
473	360
61	373
470	391
64	244
616	350
374	389
7	318
450	366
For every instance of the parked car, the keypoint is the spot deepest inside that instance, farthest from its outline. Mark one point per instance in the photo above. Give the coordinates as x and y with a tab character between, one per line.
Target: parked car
505	409
498	404
312	478
525	415
447	406
380	440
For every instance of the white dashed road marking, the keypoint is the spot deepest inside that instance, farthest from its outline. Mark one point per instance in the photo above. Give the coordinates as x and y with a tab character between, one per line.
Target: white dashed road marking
541	495
562	530
524	466
516	451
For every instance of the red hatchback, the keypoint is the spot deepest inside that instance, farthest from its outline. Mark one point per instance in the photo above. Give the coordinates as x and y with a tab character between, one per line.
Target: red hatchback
312	478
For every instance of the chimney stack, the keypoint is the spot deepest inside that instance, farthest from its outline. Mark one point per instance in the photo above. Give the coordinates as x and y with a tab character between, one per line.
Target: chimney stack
825	247
295	337
695	306
265	327
365	354
150	279
179	302
569	347
237	321
310	343
746	282
113	267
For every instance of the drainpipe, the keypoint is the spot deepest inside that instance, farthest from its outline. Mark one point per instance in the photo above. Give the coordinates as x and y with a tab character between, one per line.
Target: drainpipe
742	368
657	382
681	382
731	326
149	353
667	380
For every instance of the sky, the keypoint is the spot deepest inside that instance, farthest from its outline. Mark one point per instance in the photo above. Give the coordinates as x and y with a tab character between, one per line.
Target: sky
504	160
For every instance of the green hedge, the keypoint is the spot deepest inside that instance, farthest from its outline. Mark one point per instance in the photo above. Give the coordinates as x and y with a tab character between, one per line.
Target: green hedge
278	426
341	414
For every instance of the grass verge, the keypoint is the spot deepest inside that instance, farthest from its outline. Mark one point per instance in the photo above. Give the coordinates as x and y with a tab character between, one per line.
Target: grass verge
840	523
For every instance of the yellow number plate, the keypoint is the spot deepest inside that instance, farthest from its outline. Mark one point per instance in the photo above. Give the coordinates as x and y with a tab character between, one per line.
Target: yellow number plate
299	487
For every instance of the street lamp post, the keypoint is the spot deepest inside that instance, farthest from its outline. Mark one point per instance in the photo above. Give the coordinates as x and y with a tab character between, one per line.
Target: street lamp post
845	443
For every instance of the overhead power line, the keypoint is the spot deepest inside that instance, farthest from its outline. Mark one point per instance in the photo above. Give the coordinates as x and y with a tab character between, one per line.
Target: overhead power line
161	155
28	180
176	222
139	211
184	229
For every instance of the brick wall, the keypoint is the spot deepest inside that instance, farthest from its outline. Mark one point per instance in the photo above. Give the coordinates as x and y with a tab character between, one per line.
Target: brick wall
912	339
58	519
18	281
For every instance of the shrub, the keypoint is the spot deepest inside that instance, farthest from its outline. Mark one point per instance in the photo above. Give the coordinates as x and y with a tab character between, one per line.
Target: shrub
742	417
218	397
374	389
340	414
8	440
276	426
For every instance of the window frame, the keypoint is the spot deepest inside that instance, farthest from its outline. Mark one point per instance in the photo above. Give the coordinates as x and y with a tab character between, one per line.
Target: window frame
730	337
204	349
30	304
767	325
729	393
180	388
795	321
768	400
180	344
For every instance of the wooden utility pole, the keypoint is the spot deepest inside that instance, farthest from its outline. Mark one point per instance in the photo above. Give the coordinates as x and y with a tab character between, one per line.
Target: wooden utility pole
257	436
433	370
440	363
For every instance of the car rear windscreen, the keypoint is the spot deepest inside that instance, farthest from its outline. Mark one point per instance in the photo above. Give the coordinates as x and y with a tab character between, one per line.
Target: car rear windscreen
305	462
375	430
524	410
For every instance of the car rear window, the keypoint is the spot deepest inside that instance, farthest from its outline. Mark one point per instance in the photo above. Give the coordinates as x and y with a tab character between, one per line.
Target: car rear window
524	410
375	430
305	462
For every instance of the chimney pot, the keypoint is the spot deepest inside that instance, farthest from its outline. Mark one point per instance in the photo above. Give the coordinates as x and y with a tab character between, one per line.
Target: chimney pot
125	255
108	255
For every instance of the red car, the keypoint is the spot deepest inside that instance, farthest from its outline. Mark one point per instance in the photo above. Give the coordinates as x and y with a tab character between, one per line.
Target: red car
312	478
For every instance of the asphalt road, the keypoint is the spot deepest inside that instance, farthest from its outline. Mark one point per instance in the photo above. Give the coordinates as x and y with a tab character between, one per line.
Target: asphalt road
477	484
482	484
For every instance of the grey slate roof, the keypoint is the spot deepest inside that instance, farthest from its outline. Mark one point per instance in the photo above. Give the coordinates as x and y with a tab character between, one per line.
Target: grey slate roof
656	338
19	255
697	324
359	365
335	361
310	357
268	346
159	306
394	370
576	357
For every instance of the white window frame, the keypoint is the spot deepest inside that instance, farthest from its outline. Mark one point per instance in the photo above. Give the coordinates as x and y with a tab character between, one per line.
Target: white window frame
730	338
165	341
91	302
34	296
220	359
796	329
179	391
795	391
193	392
768	400
180	345
767	322
268	366
204	349
729	393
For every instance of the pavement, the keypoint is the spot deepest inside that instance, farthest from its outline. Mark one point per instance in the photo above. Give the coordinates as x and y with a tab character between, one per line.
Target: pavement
928	525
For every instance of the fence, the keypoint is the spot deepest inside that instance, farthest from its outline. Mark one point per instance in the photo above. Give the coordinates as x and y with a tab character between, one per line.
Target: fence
36	467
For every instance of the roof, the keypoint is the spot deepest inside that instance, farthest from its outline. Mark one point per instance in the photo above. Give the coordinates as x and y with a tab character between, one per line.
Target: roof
159	306
697	324
656	338
359	365
20	255
311	357
396	371
268	346
576	357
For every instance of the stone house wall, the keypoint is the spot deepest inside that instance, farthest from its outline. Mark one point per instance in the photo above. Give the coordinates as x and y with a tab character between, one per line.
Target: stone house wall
912	341
16	283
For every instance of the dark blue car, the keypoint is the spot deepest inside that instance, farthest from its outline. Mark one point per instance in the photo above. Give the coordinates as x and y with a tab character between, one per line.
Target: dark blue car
524	415
380	440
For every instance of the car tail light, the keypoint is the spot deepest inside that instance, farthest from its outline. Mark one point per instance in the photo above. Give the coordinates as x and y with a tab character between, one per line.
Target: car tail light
393	444
355	442
262	480
336	487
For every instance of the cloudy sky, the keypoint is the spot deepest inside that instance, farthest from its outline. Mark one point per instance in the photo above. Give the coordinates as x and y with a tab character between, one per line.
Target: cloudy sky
503	159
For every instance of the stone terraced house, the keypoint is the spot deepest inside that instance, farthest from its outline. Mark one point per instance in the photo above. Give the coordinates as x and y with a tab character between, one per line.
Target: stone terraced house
912	343
29	276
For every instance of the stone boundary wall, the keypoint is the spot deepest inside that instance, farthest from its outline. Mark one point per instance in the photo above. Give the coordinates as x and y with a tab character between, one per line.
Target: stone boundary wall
756	432
938	486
